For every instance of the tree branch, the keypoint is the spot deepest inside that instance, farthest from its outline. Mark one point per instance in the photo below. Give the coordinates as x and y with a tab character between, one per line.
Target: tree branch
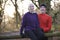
13	2
35	4
5	4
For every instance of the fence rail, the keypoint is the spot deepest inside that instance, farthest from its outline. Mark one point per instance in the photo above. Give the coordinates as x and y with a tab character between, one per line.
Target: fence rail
12	35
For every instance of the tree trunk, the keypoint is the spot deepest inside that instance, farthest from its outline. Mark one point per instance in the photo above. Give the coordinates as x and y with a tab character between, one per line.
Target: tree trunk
0	12
18	17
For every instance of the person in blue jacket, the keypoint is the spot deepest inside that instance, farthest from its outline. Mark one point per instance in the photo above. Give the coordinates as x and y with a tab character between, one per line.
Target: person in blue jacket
30	25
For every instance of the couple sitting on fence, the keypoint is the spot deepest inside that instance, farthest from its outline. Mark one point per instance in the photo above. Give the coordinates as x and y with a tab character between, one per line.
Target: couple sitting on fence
35	25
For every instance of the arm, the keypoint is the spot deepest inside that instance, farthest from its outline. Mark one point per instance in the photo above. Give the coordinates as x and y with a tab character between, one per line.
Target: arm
49	24
23	24
37	22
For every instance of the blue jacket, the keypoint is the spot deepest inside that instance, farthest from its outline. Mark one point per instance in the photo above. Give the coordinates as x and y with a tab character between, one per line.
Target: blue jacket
29	21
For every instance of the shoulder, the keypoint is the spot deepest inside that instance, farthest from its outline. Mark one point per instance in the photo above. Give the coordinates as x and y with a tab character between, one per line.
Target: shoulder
26	14
36	14
47	15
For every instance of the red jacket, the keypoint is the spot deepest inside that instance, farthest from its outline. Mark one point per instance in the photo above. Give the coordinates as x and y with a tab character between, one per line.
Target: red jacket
45	22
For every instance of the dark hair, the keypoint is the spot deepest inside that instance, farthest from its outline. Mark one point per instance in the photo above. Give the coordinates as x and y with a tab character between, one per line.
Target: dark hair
43	5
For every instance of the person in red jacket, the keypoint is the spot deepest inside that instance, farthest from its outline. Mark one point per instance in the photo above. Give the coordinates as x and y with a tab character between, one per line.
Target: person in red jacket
45	20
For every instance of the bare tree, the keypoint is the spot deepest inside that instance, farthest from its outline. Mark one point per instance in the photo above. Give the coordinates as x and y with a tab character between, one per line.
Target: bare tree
17	13
2	7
